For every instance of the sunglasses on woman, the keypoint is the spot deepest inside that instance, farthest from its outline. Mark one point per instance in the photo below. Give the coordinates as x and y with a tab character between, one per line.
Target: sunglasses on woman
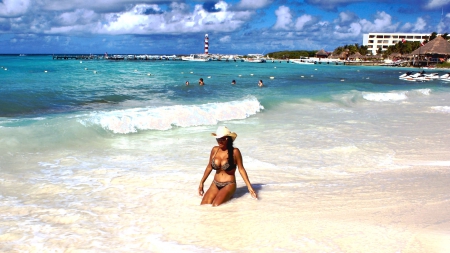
221	139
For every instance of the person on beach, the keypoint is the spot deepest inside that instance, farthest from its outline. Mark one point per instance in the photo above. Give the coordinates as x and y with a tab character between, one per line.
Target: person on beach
187	83
260	84
233	82
224	159
201	82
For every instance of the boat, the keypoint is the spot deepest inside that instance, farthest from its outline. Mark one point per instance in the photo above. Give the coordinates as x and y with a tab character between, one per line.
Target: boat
195	57
255	58
301	61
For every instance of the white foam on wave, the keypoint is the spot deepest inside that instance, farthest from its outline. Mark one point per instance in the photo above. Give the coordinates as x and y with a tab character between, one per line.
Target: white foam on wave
395	95
165	117
444	109
385	97
425	92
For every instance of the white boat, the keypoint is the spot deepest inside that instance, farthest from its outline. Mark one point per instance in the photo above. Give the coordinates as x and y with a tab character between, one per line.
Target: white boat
256	58
301	61
195	57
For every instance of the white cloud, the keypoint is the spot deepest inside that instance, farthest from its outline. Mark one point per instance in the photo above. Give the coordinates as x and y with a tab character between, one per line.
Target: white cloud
253	4
382	23
406	27
175	20
225	39
433	4
419	25
351	31
13	8
302	21
284	18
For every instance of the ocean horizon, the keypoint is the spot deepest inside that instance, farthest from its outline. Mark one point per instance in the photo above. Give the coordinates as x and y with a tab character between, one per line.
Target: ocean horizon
107	156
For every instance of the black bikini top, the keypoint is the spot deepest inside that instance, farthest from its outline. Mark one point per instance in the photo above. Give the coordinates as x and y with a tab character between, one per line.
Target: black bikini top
225	167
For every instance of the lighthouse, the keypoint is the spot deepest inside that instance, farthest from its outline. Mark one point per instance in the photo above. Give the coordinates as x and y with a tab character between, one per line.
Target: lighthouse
206	44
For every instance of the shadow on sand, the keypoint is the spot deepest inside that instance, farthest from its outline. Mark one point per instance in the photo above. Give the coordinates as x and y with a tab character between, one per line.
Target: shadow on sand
241	191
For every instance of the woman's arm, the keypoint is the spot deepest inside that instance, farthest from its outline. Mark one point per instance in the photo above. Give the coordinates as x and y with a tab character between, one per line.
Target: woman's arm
243	172
206	174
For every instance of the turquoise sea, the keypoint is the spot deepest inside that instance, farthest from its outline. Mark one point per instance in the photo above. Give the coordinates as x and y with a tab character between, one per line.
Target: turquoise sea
106	156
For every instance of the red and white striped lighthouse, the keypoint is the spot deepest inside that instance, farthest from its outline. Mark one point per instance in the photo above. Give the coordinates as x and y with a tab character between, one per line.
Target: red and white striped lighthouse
206	44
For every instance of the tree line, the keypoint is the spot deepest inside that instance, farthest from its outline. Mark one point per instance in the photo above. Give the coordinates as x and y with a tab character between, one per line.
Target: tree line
401	47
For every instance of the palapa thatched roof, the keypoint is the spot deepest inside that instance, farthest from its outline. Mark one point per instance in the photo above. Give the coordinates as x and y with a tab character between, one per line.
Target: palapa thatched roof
437	46
355	55
395	55
322	52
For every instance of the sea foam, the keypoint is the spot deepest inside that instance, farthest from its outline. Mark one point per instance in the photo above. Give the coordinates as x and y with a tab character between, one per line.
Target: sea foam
385	97
166	117
444	109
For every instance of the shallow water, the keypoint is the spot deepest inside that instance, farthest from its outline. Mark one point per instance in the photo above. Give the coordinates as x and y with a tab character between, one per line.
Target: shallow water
344	159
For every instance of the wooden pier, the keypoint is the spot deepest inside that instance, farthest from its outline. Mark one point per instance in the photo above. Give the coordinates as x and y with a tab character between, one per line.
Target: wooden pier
75	57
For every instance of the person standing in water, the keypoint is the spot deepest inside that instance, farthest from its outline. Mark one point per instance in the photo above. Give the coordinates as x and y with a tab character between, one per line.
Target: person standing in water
201	82
224	159
260	84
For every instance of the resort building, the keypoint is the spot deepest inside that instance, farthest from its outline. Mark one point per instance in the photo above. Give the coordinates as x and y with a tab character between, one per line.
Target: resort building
374	41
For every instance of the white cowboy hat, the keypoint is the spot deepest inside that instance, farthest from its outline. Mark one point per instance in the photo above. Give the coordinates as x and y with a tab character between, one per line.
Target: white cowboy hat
224	131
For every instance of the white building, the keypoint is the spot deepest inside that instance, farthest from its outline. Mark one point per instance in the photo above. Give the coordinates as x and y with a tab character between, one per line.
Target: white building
374	41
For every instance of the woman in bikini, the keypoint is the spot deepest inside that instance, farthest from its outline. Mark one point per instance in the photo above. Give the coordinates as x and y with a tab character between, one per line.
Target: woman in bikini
224	159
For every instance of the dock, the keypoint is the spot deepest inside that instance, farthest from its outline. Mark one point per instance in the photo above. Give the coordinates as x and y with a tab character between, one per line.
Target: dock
75	57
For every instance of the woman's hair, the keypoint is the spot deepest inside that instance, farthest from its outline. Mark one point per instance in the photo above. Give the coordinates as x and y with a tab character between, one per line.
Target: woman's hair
230	151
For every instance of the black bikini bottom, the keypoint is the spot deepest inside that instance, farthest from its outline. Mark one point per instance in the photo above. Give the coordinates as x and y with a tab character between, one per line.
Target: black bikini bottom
220	185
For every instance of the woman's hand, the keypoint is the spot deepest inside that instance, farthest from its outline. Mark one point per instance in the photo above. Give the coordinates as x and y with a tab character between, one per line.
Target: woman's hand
253	193
200	190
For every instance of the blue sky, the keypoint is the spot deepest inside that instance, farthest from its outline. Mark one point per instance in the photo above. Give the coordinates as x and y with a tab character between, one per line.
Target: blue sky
234	26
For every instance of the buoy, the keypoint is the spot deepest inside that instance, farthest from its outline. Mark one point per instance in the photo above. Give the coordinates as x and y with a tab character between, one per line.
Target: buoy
274	67
240	75
192	72
81	61
95	71
303	76
342	80
45	71
251	74
272	77
85	68
149	74
209	76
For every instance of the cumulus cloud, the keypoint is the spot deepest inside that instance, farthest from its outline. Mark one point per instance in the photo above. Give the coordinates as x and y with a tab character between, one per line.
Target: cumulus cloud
253	4
175	21
420	25
347	17
284	18
302	21
433	4
13	8
382	23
